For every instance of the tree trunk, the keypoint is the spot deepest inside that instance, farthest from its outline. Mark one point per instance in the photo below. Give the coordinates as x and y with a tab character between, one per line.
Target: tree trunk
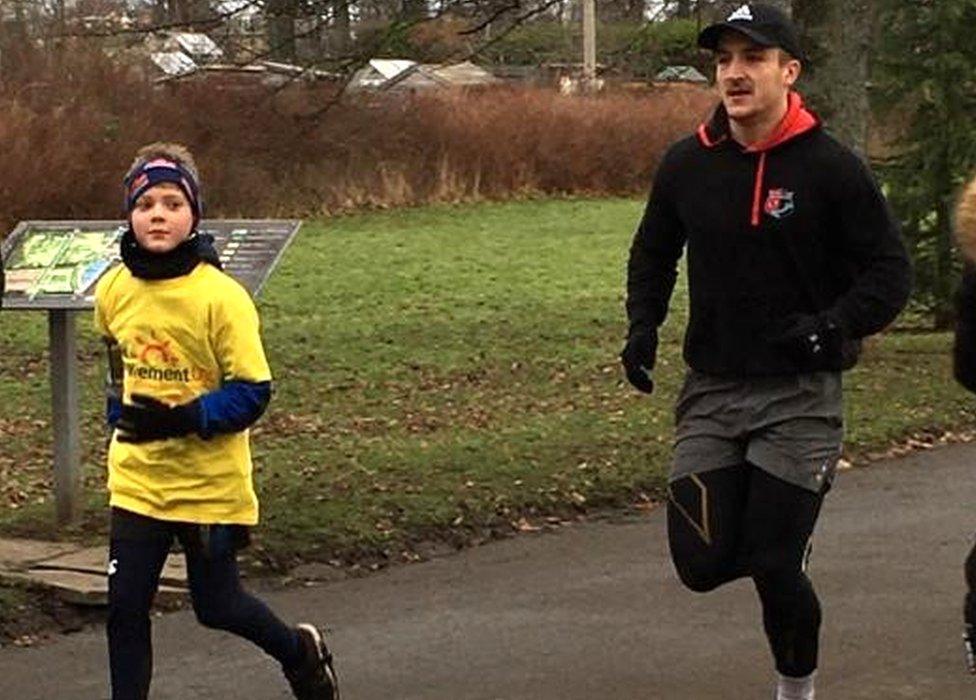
944	274
620	11
281	30
944	187
414	9
684	9
341	27
160	12
13	41
576	11
182	11
635	11
200	14
836	36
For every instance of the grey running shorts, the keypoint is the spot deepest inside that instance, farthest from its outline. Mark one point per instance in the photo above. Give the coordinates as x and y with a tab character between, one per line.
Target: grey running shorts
789	426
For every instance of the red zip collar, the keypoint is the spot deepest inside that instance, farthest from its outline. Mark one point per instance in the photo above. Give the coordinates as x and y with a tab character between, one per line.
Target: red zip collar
798	120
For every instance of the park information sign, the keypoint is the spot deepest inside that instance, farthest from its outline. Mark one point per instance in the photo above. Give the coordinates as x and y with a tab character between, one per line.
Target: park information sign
55	264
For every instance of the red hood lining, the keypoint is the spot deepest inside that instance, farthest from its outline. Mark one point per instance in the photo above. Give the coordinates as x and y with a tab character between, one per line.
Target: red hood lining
797	120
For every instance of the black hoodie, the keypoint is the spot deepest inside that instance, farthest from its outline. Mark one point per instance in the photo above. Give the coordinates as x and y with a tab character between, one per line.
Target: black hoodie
792	226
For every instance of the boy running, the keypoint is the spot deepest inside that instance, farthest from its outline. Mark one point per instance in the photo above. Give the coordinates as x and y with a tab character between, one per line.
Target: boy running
184	343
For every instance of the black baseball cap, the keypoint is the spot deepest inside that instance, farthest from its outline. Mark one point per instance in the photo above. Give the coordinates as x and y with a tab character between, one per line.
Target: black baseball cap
764	24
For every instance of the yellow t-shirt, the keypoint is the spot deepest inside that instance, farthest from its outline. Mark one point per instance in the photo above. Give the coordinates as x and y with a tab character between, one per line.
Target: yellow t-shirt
181	338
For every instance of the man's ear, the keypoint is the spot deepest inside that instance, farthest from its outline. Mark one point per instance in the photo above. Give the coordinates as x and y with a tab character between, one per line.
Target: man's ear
793	69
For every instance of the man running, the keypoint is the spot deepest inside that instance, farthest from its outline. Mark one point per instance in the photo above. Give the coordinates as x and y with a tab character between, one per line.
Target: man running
793	258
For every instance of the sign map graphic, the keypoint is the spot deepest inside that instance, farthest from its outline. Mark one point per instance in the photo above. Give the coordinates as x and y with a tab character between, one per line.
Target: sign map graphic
55	264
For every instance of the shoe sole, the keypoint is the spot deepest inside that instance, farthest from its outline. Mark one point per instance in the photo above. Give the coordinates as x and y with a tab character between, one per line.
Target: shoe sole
322	650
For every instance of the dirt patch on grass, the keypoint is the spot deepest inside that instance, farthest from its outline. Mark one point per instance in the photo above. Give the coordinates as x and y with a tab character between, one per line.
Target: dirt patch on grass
33	616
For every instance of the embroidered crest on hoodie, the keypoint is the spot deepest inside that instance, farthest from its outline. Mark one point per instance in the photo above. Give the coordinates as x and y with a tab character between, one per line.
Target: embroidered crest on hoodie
779	203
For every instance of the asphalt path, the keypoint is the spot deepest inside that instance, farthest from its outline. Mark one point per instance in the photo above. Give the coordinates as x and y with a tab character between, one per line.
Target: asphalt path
595	610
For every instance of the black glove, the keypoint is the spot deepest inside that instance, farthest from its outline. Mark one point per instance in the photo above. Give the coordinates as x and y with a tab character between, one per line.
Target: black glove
146	419
638	358
814	341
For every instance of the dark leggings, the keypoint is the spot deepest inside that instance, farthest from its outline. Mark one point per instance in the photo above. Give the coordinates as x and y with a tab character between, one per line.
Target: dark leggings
740	521
138	550
969	611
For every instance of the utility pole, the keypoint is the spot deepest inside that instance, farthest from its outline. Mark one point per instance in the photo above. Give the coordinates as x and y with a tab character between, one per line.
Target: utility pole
589	46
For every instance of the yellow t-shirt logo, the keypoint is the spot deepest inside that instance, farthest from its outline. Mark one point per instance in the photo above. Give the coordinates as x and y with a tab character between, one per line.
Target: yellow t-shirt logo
160	347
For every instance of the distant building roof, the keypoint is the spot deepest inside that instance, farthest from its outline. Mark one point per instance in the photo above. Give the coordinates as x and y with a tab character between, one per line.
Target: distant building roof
295	71
173	63
390	67
198	46
389	74
680	74
378	71
416	77
466	73
234	7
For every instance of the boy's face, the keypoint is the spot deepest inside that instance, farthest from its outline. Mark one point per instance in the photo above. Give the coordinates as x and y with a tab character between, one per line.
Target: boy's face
162	218
752	80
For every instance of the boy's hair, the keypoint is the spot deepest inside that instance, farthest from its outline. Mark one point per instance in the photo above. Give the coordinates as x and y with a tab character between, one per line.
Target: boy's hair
176	152
161	162
966	221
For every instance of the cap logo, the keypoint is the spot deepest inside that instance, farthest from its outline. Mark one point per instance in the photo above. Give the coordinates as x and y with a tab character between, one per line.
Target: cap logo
744	14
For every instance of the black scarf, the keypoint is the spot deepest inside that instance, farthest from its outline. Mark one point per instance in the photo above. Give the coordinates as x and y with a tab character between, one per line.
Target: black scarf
199	247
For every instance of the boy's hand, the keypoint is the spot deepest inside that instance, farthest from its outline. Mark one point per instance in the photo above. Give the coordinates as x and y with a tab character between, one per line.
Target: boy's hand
147	419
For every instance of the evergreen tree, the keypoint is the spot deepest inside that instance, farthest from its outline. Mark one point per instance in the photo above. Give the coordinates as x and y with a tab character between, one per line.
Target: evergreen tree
926	95
836	38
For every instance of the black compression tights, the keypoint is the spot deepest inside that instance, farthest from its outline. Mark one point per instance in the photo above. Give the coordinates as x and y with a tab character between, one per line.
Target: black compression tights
139	547
740	521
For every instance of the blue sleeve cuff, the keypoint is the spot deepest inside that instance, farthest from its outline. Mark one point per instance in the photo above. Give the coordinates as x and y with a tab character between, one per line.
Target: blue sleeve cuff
113	409
233	407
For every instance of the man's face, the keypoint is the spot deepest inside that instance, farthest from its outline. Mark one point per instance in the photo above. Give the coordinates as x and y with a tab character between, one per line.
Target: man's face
753	80
162	218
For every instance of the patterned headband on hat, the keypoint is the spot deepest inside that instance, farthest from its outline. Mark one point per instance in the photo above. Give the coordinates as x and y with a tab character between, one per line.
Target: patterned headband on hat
159	170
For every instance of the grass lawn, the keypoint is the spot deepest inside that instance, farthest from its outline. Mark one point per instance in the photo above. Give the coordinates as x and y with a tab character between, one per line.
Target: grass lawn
445	369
